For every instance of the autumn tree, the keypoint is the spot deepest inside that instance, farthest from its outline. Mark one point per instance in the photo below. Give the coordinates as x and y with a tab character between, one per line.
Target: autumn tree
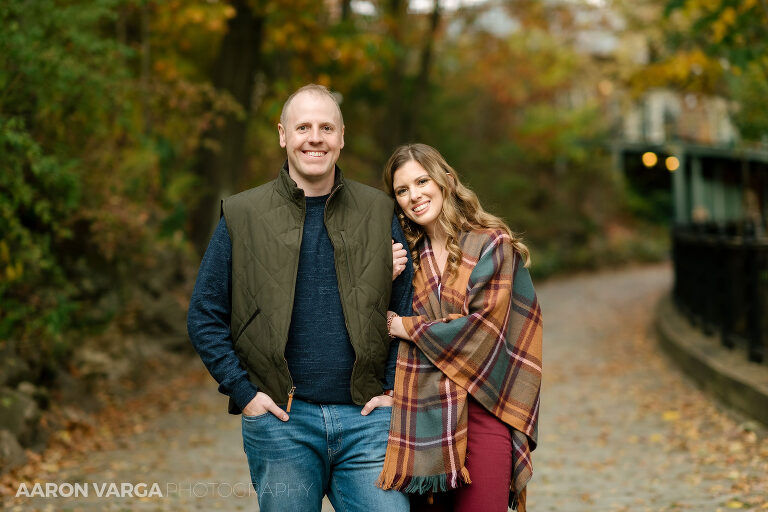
221	156
96	126
711	47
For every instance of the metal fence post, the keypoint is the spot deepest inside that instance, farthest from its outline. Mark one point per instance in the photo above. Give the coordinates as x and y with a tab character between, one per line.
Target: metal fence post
756	270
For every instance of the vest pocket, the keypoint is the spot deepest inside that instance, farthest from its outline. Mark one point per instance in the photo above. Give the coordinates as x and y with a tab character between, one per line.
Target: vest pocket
246	324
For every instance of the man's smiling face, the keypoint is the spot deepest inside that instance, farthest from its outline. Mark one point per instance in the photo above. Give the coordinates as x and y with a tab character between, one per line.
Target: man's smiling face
312	136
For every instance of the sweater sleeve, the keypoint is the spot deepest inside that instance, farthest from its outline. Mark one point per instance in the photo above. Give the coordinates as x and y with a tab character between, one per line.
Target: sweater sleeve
208	319
400	301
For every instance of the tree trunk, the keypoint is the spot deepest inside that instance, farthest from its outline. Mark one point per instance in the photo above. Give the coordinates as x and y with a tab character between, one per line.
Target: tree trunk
391	128
146	64
221	160
406	93
412	114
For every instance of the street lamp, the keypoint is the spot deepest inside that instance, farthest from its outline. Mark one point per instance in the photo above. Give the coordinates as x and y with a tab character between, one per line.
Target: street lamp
672	163
649	159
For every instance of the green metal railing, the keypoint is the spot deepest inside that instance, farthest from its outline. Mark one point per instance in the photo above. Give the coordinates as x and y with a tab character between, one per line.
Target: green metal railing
721	283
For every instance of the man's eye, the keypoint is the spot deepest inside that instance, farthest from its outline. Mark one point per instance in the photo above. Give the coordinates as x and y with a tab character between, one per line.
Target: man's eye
327	129
302	128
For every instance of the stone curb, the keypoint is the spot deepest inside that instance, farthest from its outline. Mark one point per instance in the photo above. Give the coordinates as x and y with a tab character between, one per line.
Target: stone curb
726	374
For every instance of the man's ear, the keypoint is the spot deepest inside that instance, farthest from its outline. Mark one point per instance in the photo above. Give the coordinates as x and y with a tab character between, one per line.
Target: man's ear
281	133
342	137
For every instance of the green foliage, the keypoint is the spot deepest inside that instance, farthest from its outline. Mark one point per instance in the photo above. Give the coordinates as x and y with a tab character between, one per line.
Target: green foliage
83	169
750	90
38	193
57	72
724	28
718	46
57	78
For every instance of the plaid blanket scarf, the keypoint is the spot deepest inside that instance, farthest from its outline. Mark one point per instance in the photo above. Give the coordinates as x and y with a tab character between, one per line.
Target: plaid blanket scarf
481	334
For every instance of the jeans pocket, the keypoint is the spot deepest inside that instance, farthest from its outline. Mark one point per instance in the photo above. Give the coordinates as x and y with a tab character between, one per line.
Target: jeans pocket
257	417
266	438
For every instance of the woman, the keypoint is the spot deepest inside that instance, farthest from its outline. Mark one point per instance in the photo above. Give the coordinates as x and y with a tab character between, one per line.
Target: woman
466	395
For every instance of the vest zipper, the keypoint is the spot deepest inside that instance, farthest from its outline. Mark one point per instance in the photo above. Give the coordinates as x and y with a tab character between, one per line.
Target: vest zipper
292	389
349	276
346	323
290	396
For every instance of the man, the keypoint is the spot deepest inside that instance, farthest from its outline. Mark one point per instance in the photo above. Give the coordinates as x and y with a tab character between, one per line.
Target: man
288	315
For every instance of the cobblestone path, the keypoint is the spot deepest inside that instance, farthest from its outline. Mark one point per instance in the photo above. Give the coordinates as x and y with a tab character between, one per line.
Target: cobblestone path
621	429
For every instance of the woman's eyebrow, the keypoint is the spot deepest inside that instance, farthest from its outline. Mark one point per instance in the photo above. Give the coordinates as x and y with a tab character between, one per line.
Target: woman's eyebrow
425	175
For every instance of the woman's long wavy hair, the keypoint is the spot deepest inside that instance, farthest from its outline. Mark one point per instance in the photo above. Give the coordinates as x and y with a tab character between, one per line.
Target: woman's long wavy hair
461	208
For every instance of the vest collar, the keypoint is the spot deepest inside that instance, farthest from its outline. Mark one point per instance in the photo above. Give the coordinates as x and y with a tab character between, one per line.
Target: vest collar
288	188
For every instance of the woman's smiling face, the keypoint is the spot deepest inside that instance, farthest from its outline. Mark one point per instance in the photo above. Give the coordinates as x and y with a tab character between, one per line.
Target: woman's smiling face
418	195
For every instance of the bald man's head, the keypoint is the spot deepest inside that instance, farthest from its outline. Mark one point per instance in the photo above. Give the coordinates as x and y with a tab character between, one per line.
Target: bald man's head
314	89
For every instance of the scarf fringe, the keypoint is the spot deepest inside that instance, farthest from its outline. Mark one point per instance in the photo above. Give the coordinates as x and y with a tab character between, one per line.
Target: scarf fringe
425	484
517	500
465	476
421	484
386	480
389	474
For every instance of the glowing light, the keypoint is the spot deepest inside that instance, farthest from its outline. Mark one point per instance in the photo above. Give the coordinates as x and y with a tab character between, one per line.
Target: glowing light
650	159
672	163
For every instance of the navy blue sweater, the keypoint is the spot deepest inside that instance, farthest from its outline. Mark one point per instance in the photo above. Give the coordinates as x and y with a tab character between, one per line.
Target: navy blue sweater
318	351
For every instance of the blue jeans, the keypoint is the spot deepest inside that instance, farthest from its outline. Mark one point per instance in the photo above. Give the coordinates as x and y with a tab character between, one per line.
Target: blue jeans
321	449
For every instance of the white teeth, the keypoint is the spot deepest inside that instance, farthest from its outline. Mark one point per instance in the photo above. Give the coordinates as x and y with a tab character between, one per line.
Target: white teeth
421	207
315	153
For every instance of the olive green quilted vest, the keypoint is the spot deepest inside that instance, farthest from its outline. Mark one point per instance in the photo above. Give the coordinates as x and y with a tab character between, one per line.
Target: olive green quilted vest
265	225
